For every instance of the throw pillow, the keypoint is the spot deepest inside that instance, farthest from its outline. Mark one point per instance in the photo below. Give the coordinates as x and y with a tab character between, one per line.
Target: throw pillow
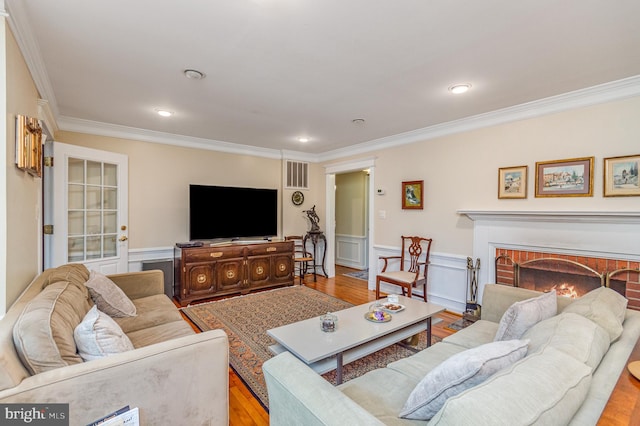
98	335
109	297
459	373
605	307
524	314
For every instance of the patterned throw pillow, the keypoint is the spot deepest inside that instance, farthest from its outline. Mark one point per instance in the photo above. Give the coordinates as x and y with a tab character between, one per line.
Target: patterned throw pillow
524	314
459	373
109	297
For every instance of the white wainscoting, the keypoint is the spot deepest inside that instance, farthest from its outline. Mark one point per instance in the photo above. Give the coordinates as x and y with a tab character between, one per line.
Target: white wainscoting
447	279
351	251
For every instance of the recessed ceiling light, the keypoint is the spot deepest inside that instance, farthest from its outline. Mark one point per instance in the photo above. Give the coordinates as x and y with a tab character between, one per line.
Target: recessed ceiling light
164	112
459	88
303	139
193	74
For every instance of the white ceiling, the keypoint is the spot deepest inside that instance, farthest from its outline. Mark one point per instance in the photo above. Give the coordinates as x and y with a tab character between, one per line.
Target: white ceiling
280	69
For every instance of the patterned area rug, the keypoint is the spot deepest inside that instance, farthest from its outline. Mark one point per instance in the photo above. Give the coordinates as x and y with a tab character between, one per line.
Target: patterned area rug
361	275
246	319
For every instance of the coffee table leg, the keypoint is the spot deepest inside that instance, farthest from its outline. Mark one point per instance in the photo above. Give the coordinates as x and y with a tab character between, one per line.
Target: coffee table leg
339	369
428	331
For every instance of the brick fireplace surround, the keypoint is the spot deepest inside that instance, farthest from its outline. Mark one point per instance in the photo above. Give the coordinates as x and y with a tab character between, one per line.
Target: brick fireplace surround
601	240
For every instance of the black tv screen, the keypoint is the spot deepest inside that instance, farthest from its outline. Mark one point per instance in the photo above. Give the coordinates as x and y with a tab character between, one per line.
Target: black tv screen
231	212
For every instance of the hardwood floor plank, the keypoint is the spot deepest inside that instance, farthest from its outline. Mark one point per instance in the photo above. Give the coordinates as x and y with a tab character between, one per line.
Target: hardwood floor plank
244	408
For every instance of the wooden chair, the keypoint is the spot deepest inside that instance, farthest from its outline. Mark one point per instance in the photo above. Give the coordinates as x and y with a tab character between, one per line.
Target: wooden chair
411	277
301	256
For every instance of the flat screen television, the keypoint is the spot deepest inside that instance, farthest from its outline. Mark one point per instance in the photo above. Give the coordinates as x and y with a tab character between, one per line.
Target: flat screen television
230	212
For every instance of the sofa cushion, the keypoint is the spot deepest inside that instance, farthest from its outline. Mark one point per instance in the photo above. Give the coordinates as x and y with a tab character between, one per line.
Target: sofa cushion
150	311
418	365
572	334
545	388
98	335
603	306
478	333
75	273
458	373
108	296
43	333
523	314
160	333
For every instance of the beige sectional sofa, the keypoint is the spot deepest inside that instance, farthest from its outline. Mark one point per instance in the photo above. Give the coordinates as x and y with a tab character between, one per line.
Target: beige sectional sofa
173	375
572	362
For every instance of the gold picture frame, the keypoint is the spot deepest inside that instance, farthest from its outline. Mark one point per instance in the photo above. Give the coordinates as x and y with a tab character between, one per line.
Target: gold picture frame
565	178
621	176
412	195
512	182
29	145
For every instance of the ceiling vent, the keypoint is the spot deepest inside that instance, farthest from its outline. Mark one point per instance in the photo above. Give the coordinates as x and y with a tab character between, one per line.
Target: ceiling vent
297	175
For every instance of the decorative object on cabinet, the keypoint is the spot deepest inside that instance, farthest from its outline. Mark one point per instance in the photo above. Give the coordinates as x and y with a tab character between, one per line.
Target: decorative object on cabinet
407	279
29	145
565	178
621	176
412	194
297	198
211	271
512	182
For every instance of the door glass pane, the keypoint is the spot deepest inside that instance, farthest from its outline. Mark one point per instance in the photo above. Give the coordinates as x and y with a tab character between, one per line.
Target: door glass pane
94	173
76	223
92	215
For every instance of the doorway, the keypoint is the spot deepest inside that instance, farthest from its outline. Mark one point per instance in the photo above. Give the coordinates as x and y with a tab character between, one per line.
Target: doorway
352	225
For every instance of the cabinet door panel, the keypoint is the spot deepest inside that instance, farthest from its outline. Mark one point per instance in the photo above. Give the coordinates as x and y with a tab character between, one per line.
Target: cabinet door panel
229	274
199	280
282	269
259	270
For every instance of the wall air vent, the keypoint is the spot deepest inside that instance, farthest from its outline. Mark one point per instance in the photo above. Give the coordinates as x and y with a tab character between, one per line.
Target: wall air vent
296	175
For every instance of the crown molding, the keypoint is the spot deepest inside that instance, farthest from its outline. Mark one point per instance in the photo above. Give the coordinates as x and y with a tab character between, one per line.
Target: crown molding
46	115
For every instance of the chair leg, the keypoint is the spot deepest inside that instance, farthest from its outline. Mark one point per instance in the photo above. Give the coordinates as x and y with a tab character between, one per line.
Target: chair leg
408	291
377	288
424	291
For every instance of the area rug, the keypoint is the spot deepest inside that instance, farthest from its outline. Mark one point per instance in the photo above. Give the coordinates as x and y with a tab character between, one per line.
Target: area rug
361	275
246	319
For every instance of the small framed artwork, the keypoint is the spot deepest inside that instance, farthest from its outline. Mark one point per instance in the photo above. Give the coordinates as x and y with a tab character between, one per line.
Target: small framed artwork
565	178
512	182
29	145
621	176
412	193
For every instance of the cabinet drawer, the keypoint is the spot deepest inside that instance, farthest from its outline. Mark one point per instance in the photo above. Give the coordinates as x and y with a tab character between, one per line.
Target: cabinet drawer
270	248
212	253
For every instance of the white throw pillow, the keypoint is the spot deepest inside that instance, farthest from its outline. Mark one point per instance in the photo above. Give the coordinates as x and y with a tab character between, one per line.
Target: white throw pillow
109	297
524	314
605	307
459	373
98	335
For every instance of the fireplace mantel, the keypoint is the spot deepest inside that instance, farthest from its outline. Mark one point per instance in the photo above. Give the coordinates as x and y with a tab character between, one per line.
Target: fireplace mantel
602	234
554	216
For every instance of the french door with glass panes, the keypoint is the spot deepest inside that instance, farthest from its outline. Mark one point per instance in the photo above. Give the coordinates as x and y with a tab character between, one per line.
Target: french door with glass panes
89	208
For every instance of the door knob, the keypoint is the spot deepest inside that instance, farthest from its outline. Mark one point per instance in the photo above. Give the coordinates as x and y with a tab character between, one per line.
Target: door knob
123	238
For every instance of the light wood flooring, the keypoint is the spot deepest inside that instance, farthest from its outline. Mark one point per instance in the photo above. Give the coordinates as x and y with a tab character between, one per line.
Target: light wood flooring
244	408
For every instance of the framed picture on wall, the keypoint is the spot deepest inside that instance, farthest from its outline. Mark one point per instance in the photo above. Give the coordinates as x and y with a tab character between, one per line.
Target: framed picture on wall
412	193
512	182
565	178
621	176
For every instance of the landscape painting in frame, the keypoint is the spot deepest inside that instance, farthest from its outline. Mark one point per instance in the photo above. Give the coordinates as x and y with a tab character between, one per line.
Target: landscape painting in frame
412	193
512	182
565	178
621	176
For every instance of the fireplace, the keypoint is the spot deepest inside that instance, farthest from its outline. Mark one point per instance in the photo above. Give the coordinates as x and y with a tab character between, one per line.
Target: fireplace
574	250
570	276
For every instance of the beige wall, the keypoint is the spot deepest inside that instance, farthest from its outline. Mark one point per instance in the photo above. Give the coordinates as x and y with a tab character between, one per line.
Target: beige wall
350	203
461	171
23	190
159	177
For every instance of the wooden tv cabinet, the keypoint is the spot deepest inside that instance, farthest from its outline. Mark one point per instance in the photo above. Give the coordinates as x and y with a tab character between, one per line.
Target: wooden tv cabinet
218	270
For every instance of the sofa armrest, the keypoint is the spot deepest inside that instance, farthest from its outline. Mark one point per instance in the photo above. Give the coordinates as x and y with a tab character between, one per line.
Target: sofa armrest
140	284
180	381
299	396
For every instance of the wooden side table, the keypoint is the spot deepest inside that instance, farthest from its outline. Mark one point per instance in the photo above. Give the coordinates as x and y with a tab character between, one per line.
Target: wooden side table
315	237
623	407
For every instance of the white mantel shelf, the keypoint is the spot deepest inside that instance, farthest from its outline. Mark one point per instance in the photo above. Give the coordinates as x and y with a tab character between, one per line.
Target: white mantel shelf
554	216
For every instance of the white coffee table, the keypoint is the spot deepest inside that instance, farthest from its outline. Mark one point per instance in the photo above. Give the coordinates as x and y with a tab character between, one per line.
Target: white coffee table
354	338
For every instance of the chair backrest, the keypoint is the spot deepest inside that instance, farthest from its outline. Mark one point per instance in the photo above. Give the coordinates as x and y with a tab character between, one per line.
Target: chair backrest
414	247
298	247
